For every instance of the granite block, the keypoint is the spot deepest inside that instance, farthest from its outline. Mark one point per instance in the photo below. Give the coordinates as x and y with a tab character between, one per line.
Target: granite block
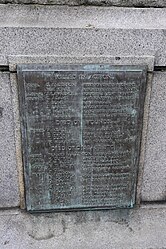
17	134
83	42
82	31
89	17
9	194
144	228
154	177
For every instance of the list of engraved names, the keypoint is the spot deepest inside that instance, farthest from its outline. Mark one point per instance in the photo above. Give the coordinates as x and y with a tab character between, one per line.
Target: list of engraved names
82	137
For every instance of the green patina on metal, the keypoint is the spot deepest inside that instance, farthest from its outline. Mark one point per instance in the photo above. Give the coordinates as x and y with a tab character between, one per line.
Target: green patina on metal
81	134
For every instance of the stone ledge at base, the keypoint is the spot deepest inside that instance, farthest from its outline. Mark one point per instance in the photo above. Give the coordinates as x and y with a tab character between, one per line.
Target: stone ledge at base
120	3
142	228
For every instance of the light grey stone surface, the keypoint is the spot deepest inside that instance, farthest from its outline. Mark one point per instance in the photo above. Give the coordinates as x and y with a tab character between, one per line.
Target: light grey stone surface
14	60
82	31
154	177
13	15
9	196
144	228
124	3
17	135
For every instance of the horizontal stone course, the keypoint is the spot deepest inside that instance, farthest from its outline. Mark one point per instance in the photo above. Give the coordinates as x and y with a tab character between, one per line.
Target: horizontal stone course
144	228
121	3
82	17
83	42
82	31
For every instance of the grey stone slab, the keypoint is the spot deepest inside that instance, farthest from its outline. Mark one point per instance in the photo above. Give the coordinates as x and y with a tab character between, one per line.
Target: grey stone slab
127	3
83	42
154	177
17	135
82	31
14	60
88	17
9	194
144	228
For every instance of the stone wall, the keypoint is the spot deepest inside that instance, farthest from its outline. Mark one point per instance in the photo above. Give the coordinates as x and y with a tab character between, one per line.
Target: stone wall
63	34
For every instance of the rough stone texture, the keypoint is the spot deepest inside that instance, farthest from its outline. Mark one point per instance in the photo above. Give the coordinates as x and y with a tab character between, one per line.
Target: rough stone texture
154	177
144	228
17	133
81	17
123	3
82	31
9	196
50	59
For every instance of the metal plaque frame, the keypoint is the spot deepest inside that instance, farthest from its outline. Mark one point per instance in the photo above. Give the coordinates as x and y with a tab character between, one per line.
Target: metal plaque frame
81	134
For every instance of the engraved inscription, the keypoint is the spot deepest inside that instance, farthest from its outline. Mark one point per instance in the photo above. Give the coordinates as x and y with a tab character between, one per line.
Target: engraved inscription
81	132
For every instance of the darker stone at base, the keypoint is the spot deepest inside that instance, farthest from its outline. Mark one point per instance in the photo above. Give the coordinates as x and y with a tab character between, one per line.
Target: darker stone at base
119	3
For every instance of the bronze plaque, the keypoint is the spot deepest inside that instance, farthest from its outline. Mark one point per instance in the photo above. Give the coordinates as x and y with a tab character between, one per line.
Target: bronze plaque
81	134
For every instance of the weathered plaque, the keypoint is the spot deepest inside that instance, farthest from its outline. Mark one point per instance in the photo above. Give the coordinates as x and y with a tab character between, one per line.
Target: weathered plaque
81	133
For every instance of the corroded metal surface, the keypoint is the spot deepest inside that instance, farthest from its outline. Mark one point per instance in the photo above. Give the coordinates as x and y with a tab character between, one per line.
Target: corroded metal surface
81	132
